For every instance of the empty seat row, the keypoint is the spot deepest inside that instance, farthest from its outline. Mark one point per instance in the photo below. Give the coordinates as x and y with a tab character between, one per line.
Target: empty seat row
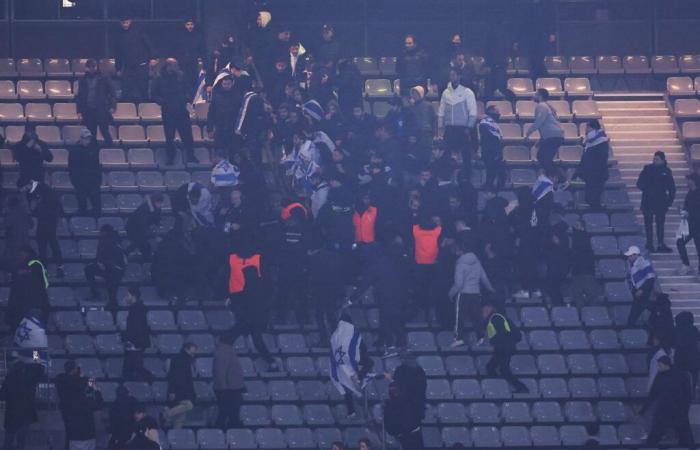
520	154
37	89
682	86
51	67
573	87
691	131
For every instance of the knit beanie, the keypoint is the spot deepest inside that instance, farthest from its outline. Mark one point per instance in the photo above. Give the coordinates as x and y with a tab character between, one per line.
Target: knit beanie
313	109
420	90
265	18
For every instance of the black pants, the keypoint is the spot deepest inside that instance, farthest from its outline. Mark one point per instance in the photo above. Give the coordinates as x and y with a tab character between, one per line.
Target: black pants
133	368
495	173
391	324
547	151
411	441
94	119
46	237
650	217
593	192
19	436
498	80
457	139
424	275
637	308
678	422
553	288
111	276
178	121
229	402
135	84
499	364
324	301
468	307
680	245
250	322
291	293
92	195
365	365
139	241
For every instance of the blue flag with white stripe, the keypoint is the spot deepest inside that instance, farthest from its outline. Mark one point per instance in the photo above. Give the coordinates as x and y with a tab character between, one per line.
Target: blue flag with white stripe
641	271
345	358
200	93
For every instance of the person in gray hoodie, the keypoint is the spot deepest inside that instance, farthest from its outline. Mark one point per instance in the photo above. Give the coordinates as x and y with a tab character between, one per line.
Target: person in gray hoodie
466	292
551	132
228	382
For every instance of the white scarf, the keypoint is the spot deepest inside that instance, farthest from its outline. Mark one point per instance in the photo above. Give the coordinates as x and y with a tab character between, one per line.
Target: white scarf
594	137
542	187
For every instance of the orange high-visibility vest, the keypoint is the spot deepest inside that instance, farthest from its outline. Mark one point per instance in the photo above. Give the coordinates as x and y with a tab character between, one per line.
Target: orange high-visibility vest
364	225
286	212
426	244
236	280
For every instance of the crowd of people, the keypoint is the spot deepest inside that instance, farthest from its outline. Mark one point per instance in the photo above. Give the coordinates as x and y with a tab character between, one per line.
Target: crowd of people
311	202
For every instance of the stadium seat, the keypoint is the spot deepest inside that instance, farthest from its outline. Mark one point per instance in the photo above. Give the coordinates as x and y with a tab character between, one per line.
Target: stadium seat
570	154
59	90
665	64
455	435
582	65
609	65
387	66
638	64
132	135
517	154
30	89
65	113
77	66
525	109
519	65
30	68
11	112
149	112
578	87
378	88
690	64
505	108
547	412
562	109
687	108
7	90
125	112
8	68
486	437
521	87
553	86
57	68
38	112
585	109
680	86
556	65
691	131
367	66
107	66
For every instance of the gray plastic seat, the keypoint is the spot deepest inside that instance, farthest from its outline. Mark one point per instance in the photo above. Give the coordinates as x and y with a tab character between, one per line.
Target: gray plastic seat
299	438
680	86
432	365
301	366
552	364
517	154
552	85
484	413
596	316
636	387
543	340
618	292
604	340
182	439
458	365
612	268
664	64
121	180
570	154
128	202
205	342
451	413
556	65
80	344
495	388
521	87
585	109
547	412
582	65
612	387
113	158
438	389
30	68
11	112
579	411
583	388
109	344
125	113
578	87
191	320
161	321
366	65
30	89
574	340
292	343
605	246
565	317
690	64
155	134
636	64
544	436
421	341
312	391
612	364
318	415
282	390
609	65
149	112
516	436
554	388
219	319
255	391
255	415
141	158
378	88
210	439
241	438
523	365
58	89
516	412
286	415
582	364
38	113
7	90
486	437
132	135
387	66
505	108
691	131
91	368
456	435
69	321
634	339
324	437
100	321
150	180
467	389
561	107
535	317
573	435
687	108
525	109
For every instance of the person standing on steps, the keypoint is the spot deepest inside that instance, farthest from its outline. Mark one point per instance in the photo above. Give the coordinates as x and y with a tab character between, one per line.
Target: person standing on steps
658	192
593	168
642	279
690	213
504	337
551	132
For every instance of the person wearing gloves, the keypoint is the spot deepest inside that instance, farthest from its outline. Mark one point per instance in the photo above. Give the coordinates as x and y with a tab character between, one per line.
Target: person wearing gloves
551	132
466	292
457	116
593	168
658	192
691	215
642	280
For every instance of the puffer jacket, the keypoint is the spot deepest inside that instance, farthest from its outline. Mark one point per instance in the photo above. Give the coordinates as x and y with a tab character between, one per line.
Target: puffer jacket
457	107
469	274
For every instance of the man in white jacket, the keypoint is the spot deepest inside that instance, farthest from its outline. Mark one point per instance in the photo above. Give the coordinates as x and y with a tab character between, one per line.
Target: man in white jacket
466	293
457	117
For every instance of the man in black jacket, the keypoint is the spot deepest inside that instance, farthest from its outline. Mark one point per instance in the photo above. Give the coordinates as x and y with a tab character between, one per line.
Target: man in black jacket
593	168
503	337
78	398
172	94
47	209
584	286
96	100
223	111
691	213
110	264
137	337
30	154
181	393
191	52
133	54
85	172
18	392
670	396
139	223
146	435
492	148
252	122
28	288
658	192
405	409
412	66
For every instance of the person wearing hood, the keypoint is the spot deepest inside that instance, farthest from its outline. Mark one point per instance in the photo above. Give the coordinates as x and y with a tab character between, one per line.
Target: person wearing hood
173	95
30	153
139	223
253	123
593	168
96	100
492	148
329	49
85	173
223	111
404	411
422	119
181	393
350	86
133	56
457	117
660	323
228	382
110	264
658	192
260	41
412	66
47	209
192	52
78	398
551	132
691	214
137	337
687	345
469	276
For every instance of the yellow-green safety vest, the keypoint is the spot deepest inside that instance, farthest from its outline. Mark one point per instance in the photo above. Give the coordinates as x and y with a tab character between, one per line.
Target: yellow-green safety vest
43	271
491	329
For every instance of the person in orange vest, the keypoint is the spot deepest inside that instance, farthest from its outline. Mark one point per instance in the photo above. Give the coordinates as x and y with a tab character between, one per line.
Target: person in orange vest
364	220
426	235
247	298
289	205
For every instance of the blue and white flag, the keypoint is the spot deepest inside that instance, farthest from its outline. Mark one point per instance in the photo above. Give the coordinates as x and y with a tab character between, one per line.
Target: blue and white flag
30	336
345	357
641	271
542	187
594	138
225	174
226	71
492	127
200	93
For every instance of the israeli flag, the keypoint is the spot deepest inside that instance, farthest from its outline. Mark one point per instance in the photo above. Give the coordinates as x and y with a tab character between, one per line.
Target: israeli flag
641	271
226	71
542	187
31	336
200	94
345	357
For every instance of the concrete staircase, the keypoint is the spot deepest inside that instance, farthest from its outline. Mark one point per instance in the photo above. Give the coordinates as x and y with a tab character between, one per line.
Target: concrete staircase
637	128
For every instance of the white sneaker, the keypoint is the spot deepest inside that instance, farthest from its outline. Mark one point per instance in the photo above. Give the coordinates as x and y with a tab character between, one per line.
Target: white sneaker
522	293
685	270
457	343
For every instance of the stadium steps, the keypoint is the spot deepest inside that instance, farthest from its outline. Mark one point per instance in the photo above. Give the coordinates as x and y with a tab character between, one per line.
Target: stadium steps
637	129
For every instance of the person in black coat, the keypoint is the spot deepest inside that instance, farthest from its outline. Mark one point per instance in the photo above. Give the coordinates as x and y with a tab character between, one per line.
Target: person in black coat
122	423
96	100
405	409
173	95
133	54
139	223
670	396
253	123
687	345
191	52
658	192
558	257
30	154
47	209
85	173
181	393
28	288
78	399
137	338
110	264
223	111
584	286
593	168
491	140
503	337
412	66
18	392
325	283
660	322
171	269
145	436
691	213
350	87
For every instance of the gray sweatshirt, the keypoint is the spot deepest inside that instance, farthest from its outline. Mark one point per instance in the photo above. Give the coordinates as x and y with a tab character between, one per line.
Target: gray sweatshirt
546	122
469	274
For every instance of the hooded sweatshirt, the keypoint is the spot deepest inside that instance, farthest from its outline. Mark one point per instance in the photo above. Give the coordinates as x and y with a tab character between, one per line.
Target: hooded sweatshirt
469	274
